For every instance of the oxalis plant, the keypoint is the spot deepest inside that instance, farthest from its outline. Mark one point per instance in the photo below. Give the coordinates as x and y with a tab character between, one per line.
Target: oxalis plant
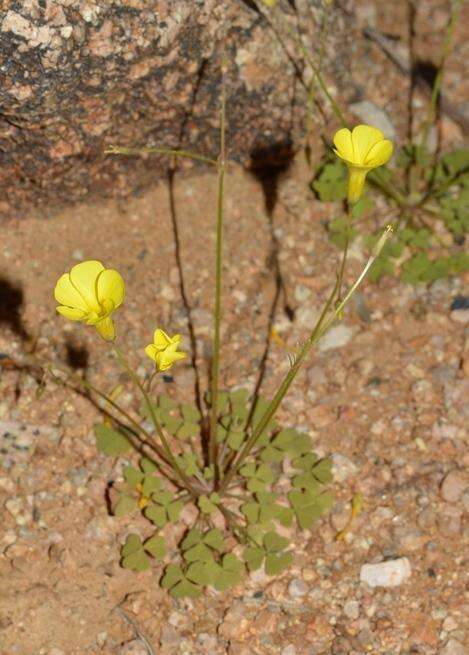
426	191
226	477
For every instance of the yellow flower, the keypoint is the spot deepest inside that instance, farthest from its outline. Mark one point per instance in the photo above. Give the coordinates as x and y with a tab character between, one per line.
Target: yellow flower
164	350
90	293
362	149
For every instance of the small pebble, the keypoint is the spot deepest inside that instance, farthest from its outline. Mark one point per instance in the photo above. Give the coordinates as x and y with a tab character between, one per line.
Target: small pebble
288	650
453	647
297	588
391	573
336	337
352	609
453	486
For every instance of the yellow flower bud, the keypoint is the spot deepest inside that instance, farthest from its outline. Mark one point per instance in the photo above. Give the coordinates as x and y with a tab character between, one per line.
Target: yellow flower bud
362	149
90	293
164	350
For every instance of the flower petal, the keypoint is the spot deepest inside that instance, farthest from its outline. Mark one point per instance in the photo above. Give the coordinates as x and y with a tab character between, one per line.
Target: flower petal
84	277
379	154
106	329
151	351
161	340
343	143
73	313
364	137
166	359
110	286
66	294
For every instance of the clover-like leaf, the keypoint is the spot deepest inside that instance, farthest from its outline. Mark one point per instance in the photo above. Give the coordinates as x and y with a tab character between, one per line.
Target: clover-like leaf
322	471
172	575
125	505
192	537
330	182
155	546
277	562
253	556
174	510
156	514
132	476
214	539
133	555
251	511
231	573
147	465
190	413
206	505
111	442
132	544
274	542
188	430
150	484
185	589
199	552
203	572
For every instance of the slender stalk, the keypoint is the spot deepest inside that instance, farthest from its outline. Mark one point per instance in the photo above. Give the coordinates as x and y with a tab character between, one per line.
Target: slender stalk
166	448
432	107
218	283
118	150
345	253
320	328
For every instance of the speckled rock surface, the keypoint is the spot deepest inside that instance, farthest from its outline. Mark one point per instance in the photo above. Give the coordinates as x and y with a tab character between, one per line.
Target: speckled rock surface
79	75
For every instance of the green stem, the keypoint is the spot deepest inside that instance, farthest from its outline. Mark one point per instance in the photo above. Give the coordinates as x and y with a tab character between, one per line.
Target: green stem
218	284
345	253
320	328
118	150
166	448
432	107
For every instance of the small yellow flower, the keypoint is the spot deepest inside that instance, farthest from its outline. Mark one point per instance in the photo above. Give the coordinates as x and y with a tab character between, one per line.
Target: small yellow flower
164	350
362	149
90	293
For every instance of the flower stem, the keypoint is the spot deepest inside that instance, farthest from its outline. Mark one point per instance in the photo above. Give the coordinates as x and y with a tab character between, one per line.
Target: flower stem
166	448
322	325
118	150
218	282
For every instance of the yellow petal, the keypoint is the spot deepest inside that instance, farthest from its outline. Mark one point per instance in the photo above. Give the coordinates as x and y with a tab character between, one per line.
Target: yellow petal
364	137
84	277
66	294
343	143
151	351
166	359
161	339
111	286
356	182
73	313
106	329
379	154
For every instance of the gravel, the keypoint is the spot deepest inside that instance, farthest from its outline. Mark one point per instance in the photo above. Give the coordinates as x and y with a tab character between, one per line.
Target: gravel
391	573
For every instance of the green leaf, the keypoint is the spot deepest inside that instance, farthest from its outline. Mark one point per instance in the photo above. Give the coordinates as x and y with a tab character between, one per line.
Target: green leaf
174	510
322	471
111	442
171	423
166	403
205	505
248	470
253	557
147	465
155	546
133	543
190	414
137	561
203	573
305	462
330	182
214	539
132	476
364	204
235	439
188	430
227	579
189	463
125	505
197	552
156	514
271	454
284	515
273	542
275	563
251	511
254	485
150	485
172	575
185	589
306	481
193	537
256	534
163	497
265	473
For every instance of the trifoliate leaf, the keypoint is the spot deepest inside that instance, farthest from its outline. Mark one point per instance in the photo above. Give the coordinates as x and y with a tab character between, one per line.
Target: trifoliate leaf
275	563
271	455
156	514
174	510
192	537
205	505
235	439
171	423
253	557
330	182
190	414
133	543
151	484
248	470
147	465
132	476
188	430
125	505
185	589
155	546
251	511
203	573
273	542
111	442
172	575
197	552
214	539
137	561
322	471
